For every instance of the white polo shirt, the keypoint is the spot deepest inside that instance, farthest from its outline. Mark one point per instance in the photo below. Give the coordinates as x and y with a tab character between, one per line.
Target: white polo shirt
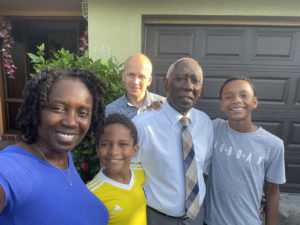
161	156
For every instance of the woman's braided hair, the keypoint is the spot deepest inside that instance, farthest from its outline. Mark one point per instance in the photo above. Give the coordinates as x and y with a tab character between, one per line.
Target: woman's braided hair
36	93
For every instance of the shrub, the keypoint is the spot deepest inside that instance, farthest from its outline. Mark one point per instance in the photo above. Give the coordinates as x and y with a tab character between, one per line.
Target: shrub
84	155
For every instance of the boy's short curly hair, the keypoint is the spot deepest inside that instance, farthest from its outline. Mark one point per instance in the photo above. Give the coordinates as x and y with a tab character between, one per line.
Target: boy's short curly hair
237	78
36	93
117	118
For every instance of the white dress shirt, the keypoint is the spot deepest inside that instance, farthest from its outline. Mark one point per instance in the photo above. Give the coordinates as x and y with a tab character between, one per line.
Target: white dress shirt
161	156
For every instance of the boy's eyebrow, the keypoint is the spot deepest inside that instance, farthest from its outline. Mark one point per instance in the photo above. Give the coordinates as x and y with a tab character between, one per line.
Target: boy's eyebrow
227	93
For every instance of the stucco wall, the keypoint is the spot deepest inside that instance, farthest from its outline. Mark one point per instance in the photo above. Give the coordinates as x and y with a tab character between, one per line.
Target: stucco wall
115	27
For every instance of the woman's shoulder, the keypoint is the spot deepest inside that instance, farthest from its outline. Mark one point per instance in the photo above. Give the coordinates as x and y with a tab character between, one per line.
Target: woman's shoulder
15	153
11	153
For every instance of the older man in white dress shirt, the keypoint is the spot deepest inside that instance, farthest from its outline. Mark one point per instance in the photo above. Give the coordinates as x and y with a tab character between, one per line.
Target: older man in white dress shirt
161	146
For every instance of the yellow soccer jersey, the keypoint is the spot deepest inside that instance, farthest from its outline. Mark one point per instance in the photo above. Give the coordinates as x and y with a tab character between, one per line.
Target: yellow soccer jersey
126	203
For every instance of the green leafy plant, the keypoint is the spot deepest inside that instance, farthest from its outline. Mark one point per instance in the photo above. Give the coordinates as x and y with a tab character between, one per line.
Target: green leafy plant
84	155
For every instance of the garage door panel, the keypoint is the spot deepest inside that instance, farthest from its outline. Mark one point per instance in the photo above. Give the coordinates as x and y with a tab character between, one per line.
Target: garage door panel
293	170
274	127
292	150
275	114
211	87
176	42
294	137
226	44
292	166
269	46
277	90
274	45
171	43
157	84
272	90
162	53
210	107
264	86
297	93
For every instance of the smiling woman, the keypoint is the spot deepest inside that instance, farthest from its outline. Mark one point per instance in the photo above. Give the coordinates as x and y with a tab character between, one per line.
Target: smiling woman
66	119
60	109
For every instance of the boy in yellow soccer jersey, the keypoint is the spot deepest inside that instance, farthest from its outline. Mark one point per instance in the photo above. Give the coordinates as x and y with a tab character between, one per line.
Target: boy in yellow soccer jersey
119	183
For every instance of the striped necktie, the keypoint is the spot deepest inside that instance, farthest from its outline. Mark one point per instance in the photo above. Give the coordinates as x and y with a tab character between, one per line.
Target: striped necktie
190	168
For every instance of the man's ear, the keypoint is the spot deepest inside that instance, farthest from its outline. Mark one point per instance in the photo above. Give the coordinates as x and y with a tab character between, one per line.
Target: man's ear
150	80
165	83
255	103
221	106
201	89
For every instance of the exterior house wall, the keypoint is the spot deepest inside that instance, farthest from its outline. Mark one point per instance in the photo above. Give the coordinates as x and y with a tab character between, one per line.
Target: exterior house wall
115	27
40	8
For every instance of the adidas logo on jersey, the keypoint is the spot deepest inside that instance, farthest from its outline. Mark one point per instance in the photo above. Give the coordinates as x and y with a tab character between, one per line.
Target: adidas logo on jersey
117	209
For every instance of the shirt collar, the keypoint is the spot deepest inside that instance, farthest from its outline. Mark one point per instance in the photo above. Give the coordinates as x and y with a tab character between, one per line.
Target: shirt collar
124	99
146	101
173	115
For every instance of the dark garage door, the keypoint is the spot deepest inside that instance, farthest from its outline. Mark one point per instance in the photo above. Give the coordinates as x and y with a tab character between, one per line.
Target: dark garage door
270	55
